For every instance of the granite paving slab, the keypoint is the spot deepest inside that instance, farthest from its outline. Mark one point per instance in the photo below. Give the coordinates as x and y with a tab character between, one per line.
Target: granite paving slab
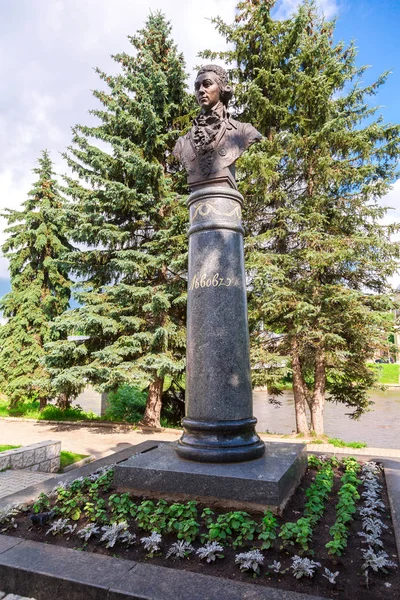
13	481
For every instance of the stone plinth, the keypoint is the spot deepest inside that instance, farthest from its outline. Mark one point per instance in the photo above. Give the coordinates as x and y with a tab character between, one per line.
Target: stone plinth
266	482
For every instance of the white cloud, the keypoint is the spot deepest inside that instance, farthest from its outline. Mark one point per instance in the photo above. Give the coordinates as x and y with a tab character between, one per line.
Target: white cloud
48	51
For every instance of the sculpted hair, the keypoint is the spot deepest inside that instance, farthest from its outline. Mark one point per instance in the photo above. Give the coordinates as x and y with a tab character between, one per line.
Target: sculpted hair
222	77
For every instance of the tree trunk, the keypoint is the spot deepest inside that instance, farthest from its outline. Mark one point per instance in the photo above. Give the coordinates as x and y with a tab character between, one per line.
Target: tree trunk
318	399
300	395
43	403
63	402
151	417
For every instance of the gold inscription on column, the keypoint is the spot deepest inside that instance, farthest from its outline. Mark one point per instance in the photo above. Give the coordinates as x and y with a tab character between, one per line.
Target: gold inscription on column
203	280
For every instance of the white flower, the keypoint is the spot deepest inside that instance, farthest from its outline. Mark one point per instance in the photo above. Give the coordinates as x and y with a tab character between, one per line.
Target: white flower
9	511
376	561
180	549
210	552
89	530
128	538
113	532
276	566
152	543
250	561
59	526
373	525
331	577
371	539
303	566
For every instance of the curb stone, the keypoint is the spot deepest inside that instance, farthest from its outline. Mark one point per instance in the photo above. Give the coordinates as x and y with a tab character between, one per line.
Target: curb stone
49	572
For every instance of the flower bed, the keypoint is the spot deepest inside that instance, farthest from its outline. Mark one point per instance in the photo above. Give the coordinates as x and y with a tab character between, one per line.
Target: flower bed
322	545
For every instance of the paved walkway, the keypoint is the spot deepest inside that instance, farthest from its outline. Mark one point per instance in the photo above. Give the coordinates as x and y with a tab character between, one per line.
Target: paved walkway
94	440
101	441
13	481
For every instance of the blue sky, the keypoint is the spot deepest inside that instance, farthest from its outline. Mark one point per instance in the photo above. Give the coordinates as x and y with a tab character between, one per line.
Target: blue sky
48	49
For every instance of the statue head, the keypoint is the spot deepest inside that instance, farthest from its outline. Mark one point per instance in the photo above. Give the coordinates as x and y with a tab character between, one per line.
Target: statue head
211	86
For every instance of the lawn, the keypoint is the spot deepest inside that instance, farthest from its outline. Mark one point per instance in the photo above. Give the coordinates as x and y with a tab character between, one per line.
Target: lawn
5	447
30	410
69	458
389	373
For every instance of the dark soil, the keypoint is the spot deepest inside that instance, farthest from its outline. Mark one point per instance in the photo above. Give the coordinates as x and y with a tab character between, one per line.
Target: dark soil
350	582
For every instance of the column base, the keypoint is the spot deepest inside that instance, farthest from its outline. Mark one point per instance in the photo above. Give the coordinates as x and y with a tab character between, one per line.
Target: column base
220	441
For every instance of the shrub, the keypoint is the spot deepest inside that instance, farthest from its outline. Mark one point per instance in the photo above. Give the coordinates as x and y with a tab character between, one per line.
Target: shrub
126	404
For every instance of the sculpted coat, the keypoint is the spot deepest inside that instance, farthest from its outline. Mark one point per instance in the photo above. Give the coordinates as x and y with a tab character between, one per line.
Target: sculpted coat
216	164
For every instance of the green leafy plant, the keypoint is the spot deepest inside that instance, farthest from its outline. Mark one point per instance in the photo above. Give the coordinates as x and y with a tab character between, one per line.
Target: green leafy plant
314	462
345	508
182	518
145	516
69	503
269	528
187	529
299	532
318	493
237	525
122	507
96	510
207	516
42	503
102	483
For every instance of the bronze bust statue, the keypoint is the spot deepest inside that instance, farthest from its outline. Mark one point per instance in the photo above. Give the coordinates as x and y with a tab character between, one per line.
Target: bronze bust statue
210	149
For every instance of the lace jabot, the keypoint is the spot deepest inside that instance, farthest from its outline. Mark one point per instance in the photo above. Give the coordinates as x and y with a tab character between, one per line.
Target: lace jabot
205	129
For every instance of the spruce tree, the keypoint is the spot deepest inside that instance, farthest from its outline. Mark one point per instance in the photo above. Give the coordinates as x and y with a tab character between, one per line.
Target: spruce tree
40	287
129	218
318	255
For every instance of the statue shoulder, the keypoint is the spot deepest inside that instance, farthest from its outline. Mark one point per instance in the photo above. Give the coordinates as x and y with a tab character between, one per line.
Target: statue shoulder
247	132
181	146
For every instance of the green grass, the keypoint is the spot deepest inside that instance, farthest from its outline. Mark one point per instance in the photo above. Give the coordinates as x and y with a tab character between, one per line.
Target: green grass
338	443
390	373
387	372
5	447
69	458
30	410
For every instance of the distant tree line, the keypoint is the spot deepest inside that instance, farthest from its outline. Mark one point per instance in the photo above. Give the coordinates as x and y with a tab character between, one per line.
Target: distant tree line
318	257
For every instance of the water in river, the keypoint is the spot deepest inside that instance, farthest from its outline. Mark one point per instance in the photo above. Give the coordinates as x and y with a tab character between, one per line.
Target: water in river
379	428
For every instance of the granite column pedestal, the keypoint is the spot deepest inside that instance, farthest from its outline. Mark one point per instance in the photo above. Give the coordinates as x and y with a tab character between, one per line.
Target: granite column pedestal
219	425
